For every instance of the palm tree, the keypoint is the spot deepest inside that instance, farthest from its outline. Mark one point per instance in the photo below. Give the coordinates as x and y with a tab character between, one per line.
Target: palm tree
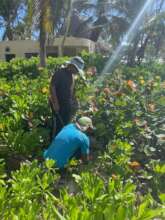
68	23
49	16
41	16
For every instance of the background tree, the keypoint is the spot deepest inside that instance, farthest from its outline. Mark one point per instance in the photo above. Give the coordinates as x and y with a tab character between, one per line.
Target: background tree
10	16
69	4
103	21
40	13
149	33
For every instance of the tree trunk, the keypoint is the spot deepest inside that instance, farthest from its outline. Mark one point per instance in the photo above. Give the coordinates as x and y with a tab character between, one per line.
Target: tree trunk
68	22
42	41
141	51
8	34
132	55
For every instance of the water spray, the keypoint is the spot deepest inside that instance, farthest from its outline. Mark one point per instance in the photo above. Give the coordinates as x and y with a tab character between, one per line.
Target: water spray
125	43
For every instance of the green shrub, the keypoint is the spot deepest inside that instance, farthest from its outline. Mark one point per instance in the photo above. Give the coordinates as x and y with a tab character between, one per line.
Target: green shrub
127	108
28	194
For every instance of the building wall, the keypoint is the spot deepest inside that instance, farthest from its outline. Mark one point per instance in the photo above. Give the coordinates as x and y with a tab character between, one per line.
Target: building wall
22	47
19	48
76	42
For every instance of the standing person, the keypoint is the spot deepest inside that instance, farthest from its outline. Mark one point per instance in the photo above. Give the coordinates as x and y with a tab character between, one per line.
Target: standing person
62	98
71	141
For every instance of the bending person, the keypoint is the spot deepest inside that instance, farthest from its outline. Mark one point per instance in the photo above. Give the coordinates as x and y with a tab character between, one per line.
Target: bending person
72	141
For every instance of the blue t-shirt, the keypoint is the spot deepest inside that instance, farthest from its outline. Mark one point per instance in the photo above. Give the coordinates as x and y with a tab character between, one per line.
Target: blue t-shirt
65	144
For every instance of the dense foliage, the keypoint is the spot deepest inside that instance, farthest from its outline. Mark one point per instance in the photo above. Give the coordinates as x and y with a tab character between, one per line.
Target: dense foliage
125	179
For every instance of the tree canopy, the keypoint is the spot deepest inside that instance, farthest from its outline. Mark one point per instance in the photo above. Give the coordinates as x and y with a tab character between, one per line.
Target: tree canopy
104	21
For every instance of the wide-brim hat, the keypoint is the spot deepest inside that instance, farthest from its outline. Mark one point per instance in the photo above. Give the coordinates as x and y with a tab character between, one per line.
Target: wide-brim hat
78	63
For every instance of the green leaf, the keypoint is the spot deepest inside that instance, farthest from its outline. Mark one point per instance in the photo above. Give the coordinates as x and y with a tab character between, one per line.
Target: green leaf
58	215
49	163
162	198
121	213
160	168
142	208
77	178
109	212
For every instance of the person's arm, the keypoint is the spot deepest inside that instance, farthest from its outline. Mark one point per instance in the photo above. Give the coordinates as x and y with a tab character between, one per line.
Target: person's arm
53	96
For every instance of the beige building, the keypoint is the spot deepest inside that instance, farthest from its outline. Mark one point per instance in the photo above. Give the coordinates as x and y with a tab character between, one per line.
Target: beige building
28	48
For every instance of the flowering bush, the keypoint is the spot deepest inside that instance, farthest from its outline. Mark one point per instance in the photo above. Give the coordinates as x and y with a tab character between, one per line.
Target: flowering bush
127	108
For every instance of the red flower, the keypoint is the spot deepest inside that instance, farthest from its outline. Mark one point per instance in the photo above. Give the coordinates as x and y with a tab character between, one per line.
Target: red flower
131	85
135	165
114	176
107	91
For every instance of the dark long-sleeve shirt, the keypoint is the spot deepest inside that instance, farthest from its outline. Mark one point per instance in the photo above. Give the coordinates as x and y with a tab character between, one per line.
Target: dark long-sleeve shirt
62	82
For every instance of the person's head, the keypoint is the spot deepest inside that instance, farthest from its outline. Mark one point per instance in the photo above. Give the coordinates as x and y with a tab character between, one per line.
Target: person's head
85	124
76	65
